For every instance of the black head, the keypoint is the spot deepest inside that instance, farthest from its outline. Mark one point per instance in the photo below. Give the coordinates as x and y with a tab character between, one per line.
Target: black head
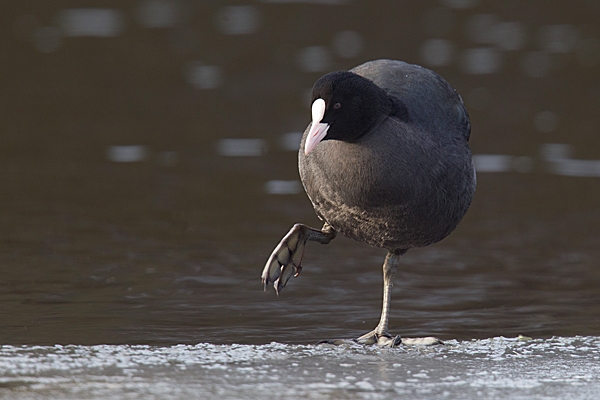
353	106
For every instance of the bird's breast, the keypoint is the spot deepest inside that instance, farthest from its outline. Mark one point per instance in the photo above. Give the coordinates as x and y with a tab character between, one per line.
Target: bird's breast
392	193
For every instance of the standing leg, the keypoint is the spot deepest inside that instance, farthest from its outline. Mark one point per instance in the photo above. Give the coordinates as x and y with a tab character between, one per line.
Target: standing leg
380	335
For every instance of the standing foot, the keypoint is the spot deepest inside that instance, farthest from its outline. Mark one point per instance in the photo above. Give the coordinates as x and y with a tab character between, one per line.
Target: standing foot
380	339
369	339
385	340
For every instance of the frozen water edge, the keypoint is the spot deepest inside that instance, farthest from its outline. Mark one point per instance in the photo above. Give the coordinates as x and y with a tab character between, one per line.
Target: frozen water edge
494	368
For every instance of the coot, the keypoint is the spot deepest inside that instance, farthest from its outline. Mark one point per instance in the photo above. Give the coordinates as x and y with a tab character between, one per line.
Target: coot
386	162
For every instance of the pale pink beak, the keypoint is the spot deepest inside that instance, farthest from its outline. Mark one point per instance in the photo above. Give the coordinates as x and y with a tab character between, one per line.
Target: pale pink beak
315	135
318	129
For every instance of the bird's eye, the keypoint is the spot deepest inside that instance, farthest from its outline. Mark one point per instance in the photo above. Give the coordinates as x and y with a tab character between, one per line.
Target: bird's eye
337	105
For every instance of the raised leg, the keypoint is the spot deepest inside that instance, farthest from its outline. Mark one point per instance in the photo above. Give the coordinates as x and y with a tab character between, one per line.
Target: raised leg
286	259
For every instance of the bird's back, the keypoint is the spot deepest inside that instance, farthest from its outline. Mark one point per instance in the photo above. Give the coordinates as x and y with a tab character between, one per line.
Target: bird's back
431	102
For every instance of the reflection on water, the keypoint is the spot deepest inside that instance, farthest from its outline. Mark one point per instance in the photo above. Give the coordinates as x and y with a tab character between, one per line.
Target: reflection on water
148	167
242	147
91	22
560	162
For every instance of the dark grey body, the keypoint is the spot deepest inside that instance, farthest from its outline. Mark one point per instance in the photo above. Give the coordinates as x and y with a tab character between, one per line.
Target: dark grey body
408	181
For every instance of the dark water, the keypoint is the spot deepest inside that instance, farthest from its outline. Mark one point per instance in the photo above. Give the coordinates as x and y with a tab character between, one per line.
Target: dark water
126	219
146	263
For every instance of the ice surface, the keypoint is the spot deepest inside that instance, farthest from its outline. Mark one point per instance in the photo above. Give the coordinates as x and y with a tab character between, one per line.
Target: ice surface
494	368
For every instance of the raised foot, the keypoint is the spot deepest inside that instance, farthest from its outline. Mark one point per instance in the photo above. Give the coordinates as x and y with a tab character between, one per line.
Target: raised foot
286	260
